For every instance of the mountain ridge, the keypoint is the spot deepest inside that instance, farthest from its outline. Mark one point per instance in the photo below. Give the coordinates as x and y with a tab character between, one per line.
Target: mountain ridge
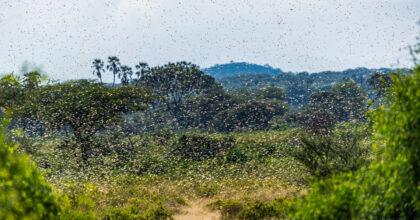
234	69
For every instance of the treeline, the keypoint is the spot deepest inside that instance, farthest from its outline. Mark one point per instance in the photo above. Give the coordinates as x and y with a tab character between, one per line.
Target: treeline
300	86
175	96
187	98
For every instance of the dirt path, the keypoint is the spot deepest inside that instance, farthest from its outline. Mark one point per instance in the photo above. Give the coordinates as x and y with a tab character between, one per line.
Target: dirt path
197	210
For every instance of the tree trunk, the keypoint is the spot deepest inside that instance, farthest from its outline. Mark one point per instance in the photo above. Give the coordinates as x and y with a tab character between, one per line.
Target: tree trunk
84	139
85	149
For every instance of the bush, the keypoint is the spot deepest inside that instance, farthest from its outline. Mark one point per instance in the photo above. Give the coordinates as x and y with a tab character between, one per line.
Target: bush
134	213
389	187
24	194
249	209
251	115
344	150
200	147
235	155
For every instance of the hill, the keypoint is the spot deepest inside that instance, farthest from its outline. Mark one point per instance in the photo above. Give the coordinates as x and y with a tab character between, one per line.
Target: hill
297	85
220	71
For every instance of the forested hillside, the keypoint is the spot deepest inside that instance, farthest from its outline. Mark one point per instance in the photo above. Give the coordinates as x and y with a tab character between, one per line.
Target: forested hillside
298	86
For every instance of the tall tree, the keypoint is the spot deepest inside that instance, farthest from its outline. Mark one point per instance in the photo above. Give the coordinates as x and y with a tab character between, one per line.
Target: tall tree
114	66
125	74
175	81
98	68
84	107
142	70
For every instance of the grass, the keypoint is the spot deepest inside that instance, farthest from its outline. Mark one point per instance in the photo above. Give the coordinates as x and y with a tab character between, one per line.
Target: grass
149	182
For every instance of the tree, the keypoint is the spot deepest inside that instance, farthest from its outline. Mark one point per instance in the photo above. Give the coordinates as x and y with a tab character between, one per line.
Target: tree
272	93
380	83
174	82
98	68
142	70
244	116
114	66
83	107
340	151
125	75
201	111
351	101
389	187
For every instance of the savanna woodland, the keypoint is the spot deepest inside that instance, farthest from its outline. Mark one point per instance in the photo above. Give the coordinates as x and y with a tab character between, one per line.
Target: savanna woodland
232	141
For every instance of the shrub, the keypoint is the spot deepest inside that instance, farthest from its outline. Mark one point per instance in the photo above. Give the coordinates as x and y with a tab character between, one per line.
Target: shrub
132	212
199	146
235	155
250	209
343	150
389	187
207	189
251	115
24	194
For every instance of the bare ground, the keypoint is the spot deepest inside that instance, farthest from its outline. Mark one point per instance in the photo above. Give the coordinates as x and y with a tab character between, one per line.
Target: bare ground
197	210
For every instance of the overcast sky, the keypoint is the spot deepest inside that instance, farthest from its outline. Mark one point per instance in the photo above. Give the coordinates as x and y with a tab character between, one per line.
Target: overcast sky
294	35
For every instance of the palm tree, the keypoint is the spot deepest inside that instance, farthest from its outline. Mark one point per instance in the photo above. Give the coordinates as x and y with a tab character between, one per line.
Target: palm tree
98	68
125	74
142	69
114	66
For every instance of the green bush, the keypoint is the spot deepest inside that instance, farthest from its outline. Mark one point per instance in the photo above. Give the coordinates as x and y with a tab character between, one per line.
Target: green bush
389	187
250	209
134	213
200	147
24	194
343	150
207	189
236	155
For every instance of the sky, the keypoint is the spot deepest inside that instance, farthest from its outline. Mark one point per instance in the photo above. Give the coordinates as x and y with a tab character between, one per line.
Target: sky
64	36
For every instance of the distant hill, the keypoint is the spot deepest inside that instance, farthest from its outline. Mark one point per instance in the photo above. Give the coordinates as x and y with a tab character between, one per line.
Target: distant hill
232	69
299	86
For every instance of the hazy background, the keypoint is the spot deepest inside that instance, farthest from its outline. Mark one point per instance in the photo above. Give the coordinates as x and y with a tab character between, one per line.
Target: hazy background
294	35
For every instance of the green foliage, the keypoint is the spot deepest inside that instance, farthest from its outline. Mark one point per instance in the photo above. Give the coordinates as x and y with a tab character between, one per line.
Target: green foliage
24	194
343	150
380	83
252	115
236	155
345	101
11	91
83	107
272	93
254	209
32	80
351	101
389	187
134	213
201	147
207	190
201	111
174	82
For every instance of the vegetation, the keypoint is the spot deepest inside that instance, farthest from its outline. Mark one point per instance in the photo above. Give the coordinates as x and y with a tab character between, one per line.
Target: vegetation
24	193
388	188
165	137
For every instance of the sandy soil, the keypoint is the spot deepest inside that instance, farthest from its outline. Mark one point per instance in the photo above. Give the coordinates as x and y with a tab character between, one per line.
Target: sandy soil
197	210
